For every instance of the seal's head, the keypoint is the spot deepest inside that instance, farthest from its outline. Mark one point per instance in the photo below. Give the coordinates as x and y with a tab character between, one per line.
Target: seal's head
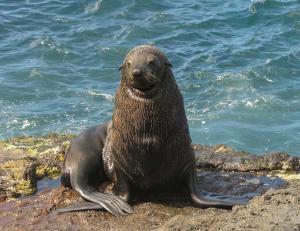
144	69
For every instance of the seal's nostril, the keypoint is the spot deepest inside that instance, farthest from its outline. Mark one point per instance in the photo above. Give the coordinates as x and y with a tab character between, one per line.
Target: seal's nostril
136	72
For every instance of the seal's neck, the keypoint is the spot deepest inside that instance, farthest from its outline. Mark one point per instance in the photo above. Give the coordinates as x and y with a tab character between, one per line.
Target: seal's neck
158	115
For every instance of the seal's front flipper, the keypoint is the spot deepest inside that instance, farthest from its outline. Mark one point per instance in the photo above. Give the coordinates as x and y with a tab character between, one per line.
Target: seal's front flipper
80	206
206	199
112	203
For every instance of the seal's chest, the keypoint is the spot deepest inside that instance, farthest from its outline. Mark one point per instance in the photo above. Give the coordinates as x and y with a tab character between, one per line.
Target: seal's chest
149	162
148	144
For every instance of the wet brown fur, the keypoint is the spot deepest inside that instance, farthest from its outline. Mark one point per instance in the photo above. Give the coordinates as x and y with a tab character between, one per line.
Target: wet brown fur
149	138
146	146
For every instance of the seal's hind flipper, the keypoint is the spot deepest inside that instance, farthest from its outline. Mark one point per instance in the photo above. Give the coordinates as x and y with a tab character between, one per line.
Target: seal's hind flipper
206	199
80	206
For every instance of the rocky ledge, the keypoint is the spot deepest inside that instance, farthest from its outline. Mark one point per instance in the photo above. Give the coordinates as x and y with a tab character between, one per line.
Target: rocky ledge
30	192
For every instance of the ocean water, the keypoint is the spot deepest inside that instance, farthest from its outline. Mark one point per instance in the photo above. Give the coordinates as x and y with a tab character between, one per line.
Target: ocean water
236	62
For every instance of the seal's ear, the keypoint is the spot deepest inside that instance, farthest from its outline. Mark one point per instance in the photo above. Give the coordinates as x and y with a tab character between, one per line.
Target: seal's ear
121	67
169	64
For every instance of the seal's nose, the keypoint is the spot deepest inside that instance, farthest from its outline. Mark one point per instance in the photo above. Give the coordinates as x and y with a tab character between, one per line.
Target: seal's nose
136	72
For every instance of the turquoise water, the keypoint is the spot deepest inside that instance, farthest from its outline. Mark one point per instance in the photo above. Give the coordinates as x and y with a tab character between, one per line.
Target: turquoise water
237	64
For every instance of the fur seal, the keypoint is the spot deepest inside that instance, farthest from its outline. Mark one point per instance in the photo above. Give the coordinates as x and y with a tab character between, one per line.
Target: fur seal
147	144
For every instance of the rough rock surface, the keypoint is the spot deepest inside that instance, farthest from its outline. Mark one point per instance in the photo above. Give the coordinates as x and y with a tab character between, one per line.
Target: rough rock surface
274	210
25	159
276	205
224	158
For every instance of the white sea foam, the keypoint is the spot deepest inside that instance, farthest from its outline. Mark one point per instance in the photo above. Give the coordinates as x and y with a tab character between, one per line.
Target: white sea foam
35	73
43	41
60	19
47	43
248	102
36	42
269	80
238	90
105	48
93	7
226	94
253	4
204	110
268	61
123	32
258	1
106	96
11	123
25	124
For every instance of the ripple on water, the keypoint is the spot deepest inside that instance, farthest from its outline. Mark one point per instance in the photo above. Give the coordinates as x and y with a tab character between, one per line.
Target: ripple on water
236	62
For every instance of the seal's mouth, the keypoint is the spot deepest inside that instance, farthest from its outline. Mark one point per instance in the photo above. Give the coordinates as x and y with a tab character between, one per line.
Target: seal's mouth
144	91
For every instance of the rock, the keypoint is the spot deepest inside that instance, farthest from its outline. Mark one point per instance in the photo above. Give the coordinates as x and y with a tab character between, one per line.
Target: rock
224	158
178	223
26	160
274	210
18	177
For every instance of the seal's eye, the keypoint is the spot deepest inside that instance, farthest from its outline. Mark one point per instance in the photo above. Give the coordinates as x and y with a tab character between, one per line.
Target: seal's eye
129	63
151	62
